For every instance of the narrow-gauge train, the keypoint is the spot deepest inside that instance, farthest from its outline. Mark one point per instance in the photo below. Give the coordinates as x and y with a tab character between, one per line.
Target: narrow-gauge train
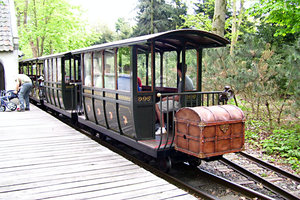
113	88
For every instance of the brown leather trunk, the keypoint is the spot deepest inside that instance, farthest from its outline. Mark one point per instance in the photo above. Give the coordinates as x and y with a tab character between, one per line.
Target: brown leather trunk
209	131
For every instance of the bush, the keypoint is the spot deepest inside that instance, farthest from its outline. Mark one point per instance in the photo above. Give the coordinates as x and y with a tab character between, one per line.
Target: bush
284	143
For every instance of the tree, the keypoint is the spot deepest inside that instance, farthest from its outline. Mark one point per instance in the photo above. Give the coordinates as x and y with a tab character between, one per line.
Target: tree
218	25
123	28
48	26
102	34
284	14
159	15
206	7
236	24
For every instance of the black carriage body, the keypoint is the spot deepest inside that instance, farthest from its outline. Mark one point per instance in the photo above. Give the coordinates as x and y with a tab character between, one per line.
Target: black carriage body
127	113
101	83
62	83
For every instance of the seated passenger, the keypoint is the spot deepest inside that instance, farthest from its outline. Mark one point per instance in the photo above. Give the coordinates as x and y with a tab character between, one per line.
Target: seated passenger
139	84
174	100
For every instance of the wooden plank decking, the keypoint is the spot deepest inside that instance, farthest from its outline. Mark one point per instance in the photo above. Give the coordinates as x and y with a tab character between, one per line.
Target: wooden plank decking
42	158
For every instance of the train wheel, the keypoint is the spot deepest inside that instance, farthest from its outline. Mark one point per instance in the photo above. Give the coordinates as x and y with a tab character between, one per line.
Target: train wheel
2	108
165	164
194	163
102	136
93	133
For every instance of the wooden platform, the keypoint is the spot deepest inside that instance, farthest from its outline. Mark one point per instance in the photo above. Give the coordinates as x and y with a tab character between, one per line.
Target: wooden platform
42	158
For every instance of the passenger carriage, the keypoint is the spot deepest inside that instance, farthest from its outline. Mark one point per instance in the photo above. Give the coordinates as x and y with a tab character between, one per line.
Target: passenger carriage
34	69
62	83
100	85
112	100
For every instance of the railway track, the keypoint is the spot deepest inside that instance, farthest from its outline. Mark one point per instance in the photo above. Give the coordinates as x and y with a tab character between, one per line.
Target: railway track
198	182
204	184
266	174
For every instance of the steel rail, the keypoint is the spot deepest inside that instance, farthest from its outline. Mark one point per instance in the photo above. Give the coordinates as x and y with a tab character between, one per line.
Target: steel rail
271	167
259	179
236	187
191	189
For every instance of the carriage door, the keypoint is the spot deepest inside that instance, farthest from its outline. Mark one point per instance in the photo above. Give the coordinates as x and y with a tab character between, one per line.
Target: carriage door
144	96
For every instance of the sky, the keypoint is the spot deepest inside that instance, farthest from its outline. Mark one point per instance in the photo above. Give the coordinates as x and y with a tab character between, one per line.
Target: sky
107	11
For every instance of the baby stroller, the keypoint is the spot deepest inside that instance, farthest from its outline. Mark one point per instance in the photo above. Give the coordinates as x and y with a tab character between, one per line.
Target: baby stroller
5	100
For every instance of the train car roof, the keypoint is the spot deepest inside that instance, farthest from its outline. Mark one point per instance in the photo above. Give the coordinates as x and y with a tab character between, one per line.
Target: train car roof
167	41
164	41
54	55
47	56
29	59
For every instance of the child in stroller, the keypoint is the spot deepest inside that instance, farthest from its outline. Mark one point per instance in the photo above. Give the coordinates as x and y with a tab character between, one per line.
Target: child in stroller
5	98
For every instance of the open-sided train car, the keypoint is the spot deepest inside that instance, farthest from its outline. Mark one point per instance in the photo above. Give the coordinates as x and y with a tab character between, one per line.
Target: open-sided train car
62	83
113	88
34	69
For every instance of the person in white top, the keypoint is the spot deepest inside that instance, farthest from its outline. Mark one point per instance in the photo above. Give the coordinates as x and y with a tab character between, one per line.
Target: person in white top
23	83
173	103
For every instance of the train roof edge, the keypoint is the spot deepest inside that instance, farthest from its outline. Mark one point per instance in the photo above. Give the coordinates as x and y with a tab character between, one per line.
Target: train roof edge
215	40
211	40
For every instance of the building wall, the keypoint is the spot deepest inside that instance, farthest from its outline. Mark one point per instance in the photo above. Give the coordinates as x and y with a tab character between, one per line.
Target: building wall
9	43
9	60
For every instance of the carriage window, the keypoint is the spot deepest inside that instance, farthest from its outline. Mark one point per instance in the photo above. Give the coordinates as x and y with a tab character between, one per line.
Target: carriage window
170	69
34	69
98	69
191	69
109	77
124	71
54	70
158	75
87	69
46	70
72	74
50	70
67	71
77	70
59	69
144	69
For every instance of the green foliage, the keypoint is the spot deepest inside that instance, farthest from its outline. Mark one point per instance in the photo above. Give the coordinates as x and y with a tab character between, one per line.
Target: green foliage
123	28
206	7
47	27
285	143
283	14
102	34
166	16
198	21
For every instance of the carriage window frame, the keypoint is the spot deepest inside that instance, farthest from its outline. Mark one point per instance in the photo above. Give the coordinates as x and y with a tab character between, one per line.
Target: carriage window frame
58	64
54	71
110	72
124	70
87	59
169	69
50	61
46	74
147	80
98	69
